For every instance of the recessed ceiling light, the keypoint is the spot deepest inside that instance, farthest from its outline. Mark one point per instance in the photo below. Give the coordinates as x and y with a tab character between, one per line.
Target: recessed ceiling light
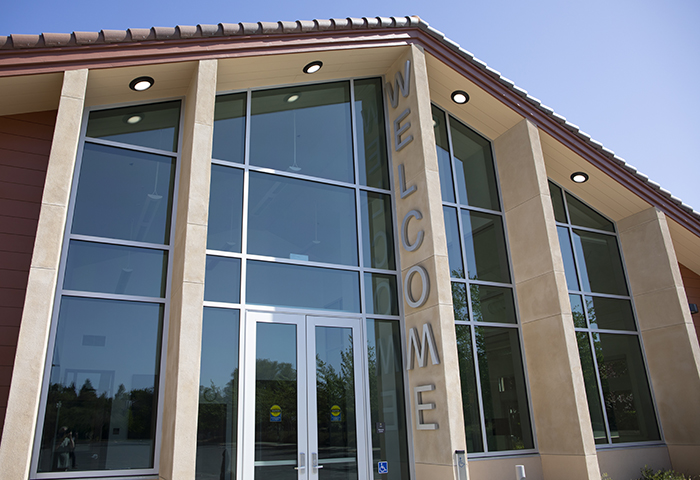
579	177
313	67
134	119
293	98
460	96
141	83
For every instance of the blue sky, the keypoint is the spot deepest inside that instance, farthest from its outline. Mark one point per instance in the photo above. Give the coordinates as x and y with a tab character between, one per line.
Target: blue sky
624	71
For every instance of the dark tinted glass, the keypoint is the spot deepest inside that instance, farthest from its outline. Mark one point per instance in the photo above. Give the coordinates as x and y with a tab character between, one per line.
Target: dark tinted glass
503	390
377	230
595	408
601	266
443	154
371	136
454	250
103	387
381	297
460	302
124	194
304	129
577	312
470	400
223	279
610	313
286	285
492	304
301	220
154	126
557	203
217	418
625	389
567	255
386	393
99	267
584	216
476	178
485	247
229	128
225	209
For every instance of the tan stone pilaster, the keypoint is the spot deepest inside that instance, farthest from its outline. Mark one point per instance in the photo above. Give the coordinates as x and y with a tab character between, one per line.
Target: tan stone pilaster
27	376
433	449
181	396
557	391
668	335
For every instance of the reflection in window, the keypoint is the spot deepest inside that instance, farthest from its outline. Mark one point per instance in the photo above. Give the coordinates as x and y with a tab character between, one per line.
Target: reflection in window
229	128
485	247
371	136
225	209
377	231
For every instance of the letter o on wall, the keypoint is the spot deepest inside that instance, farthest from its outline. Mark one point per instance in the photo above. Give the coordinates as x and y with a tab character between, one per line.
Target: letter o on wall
416	269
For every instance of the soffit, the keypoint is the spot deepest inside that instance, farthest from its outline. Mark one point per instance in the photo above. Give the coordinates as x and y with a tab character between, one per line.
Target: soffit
30	93
686	245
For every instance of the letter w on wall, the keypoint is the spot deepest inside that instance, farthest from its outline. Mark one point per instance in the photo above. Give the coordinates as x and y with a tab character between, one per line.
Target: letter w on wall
401	82
427	343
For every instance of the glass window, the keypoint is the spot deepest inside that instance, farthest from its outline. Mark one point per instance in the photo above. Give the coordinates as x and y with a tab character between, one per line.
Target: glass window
100	267
584	216
229	128
225	209
301	220
557	203
103	387
124	194
470	398
153	126
305	130
485	247
460	302
381	297
601	265
371	134
577	312
492	304
377	231
454	249
217	418
223	279
476	178
610	313
285	285
567	255
590	380
443	153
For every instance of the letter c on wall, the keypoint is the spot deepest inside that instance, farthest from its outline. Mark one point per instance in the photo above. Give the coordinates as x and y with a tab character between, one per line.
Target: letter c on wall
404	231
407	286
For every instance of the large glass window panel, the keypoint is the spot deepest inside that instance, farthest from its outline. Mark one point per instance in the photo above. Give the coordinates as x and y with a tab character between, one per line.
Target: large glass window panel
100	267
103	386
287	285
590	380
470	400
460	301
386	393
304	129
217	418
454	249
610	313
225	209
567	255
485	246
154	126
476	178
377	231
276	423
584	216
124	194
381	297
443	153
371	135
223	279
301	220
599	260
492	304
579	316
626	392
557	203
229	128
506	413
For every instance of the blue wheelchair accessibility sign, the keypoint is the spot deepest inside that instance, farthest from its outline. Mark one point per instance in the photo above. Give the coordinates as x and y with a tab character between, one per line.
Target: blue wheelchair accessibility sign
383	467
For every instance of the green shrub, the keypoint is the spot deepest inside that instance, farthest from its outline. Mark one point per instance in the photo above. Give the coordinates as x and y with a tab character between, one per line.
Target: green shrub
648	474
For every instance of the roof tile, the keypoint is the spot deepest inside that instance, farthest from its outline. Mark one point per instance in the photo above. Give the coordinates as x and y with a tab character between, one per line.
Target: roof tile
307	25
115	36
56	39
165	33
26	41
187	31
208	30
86	38
140	34
249	28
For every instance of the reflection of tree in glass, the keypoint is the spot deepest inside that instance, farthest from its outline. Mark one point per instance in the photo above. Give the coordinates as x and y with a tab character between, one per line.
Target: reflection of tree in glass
215	403
276	384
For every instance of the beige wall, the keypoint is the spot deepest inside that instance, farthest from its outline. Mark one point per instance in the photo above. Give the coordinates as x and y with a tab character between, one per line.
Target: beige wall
626	463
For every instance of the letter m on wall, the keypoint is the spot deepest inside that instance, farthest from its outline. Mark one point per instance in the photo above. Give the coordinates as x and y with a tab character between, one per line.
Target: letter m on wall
421	348
402	83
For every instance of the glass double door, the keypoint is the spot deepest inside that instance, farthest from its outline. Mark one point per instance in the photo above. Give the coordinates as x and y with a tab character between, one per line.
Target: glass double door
304	412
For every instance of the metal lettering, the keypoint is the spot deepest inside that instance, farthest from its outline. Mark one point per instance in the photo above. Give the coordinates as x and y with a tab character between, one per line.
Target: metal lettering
399	130
427	343
407	286
401	82
423	406
405	192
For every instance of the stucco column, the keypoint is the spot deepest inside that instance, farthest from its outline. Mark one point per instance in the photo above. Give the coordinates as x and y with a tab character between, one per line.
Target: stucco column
181	396
25	391
433	448
668	335
557	391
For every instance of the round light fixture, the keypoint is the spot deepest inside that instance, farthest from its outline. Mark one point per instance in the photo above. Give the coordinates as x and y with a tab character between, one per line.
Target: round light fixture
133	119
579	177
141	83
460	97
292	98
313	67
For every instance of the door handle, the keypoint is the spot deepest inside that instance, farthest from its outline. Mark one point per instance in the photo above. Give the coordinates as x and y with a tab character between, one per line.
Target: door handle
314	461
302	462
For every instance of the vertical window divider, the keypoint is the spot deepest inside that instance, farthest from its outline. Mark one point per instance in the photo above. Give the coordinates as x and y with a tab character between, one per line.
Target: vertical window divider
358	200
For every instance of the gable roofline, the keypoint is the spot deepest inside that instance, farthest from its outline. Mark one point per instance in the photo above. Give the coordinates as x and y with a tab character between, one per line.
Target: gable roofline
55	52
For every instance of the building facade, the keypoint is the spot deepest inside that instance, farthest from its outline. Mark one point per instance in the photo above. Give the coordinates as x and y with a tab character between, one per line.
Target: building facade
334	249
